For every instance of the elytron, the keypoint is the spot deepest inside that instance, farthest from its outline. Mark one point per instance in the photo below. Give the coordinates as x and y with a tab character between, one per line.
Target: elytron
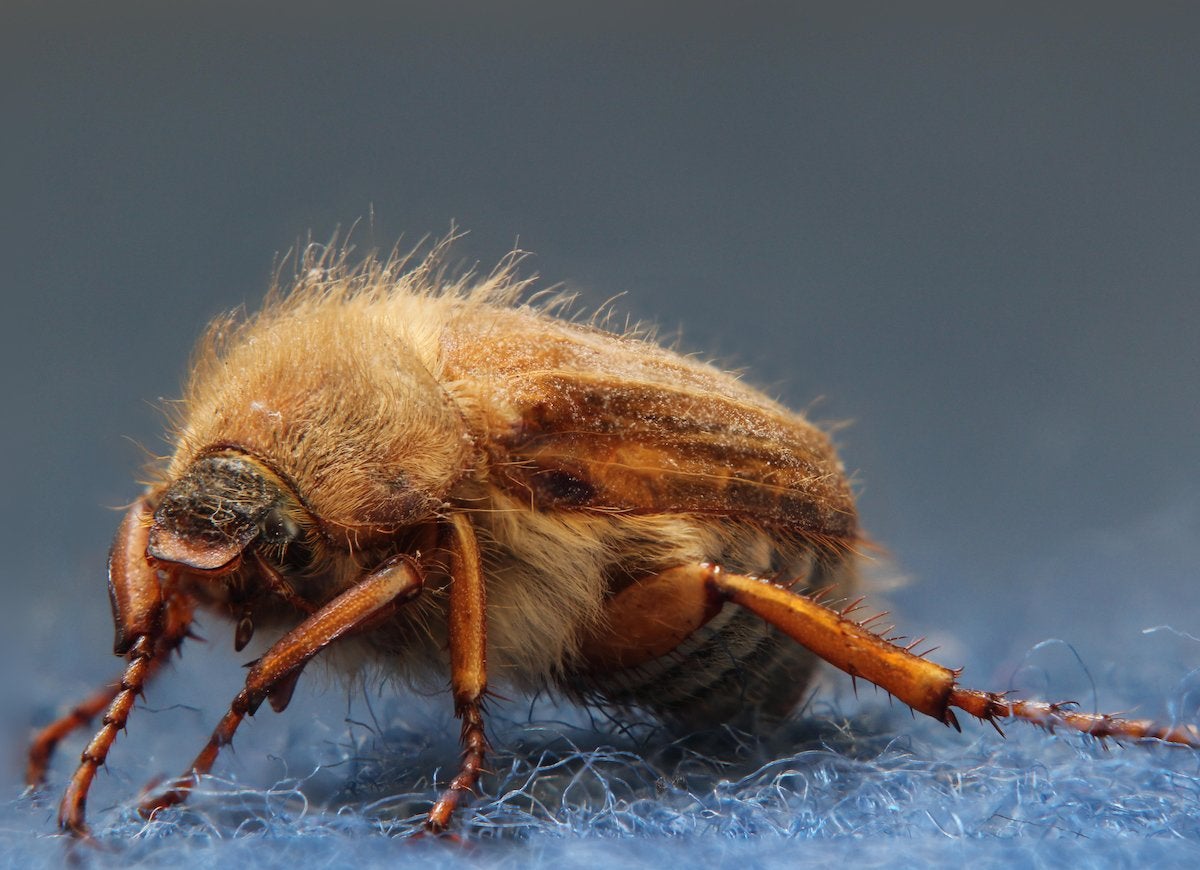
427	473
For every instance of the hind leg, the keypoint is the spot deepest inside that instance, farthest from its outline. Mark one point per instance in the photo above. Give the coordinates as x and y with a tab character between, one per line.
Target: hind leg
651	619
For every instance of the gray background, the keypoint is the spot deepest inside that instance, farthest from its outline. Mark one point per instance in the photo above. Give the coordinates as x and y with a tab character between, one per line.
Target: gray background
973	234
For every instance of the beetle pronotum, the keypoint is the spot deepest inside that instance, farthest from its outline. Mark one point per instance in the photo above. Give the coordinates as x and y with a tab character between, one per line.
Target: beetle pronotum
430	473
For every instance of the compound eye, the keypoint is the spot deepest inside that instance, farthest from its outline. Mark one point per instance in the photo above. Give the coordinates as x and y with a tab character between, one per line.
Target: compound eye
276	527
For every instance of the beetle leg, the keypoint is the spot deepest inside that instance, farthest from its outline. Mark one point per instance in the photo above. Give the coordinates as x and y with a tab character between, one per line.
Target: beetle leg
649	619
133	588
138	612
923	685
692	594
468	666
48	738
378	594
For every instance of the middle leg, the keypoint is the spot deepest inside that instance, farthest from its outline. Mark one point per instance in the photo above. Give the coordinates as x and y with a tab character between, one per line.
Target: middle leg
468	666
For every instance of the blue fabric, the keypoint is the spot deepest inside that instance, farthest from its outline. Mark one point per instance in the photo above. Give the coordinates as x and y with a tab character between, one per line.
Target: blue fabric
849	780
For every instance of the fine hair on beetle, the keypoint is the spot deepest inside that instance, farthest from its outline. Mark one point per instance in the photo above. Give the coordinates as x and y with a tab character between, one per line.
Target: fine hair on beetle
432	474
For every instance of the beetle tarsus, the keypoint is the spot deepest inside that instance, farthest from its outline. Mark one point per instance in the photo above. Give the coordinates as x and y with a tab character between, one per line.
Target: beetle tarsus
72	809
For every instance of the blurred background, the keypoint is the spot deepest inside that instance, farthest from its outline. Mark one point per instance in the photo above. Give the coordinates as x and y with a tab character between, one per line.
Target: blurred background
970	235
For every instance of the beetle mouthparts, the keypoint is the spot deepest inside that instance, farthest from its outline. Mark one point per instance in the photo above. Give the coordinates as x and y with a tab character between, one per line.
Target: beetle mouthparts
203	553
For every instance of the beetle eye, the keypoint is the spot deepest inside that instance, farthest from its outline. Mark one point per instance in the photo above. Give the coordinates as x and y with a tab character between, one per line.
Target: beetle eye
276	527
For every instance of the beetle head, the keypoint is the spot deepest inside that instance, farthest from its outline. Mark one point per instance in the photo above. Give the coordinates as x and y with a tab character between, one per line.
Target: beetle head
218	507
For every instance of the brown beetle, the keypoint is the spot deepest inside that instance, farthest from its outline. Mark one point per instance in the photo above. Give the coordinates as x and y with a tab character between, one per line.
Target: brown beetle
432	475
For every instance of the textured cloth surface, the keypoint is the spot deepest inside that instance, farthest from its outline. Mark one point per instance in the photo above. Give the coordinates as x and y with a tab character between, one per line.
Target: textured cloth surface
337	782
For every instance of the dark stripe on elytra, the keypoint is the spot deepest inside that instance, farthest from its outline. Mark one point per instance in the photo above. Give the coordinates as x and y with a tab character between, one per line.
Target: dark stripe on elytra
560	488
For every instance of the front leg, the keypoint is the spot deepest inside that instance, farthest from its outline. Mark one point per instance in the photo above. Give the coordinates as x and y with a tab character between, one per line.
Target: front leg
273	676
149	627
177	626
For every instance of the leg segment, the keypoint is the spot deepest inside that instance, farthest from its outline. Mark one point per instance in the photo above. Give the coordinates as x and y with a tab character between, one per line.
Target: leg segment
145	659
47	740
273	675
468	666
149	625
649	619
72	810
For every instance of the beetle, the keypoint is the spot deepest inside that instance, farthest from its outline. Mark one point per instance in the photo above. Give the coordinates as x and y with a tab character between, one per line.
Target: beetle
429	472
